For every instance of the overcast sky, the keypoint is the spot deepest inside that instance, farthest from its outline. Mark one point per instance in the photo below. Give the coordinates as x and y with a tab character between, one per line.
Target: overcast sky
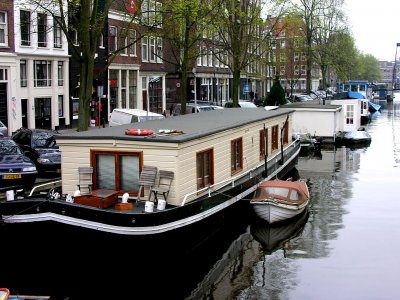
375	26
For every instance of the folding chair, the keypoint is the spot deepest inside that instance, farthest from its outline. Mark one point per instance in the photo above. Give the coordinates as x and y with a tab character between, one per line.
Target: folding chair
85	180
164	184
147	179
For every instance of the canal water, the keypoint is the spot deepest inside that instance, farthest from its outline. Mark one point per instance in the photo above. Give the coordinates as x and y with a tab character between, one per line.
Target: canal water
346	245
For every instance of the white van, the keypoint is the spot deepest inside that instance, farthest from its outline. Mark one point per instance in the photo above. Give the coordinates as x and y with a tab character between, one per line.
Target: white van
120	116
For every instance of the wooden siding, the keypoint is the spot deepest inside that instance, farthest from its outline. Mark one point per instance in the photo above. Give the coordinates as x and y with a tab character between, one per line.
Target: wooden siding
179	158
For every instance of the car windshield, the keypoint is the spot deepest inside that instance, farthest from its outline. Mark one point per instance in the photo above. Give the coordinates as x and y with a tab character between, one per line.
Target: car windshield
205	108
9	147
43	140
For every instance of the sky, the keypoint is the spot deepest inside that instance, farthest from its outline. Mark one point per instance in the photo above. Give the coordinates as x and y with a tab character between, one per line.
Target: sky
375	26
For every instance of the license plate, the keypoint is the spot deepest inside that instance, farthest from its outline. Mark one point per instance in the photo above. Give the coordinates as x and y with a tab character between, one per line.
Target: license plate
12	176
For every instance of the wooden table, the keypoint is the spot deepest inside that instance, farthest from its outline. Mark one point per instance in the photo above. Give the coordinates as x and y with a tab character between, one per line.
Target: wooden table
100	198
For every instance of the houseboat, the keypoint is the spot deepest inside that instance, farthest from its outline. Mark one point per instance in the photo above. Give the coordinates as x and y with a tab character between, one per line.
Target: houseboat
213	161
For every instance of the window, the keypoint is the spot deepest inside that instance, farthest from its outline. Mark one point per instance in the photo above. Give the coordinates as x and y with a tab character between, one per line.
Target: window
57	33
42	73
74	37
204	168
22	73
60	105
123	88
263	143
303	70
25	27
349	114
152	49
236	155
3	29
296	56
145	48
159	50
60	72
283	43
116	170
274	133
282	57
123	41
42	30
132	41
272	44
132	88
3	74
296	70
282	70
101	41
113	38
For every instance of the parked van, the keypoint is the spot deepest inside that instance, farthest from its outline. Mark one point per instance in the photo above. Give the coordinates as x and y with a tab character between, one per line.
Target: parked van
190	108
120	116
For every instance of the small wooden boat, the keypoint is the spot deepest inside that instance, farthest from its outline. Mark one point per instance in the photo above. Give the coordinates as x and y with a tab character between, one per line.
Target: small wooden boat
279	200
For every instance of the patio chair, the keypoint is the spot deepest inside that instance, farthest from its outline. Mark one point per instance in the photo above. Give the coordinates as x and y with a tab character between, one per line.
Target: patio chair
164	184
85	180
147	179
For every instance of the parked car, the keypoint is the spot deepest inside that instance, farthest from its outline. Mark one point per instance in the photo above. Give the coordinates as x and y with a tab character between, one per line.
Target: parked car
41	147
16	169
120	116
192	108
300	98
3	129
242	104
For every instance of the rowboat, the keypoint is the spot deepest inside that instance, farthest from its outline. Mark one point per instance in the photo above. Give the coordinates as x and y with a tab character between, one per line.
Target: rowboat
279	200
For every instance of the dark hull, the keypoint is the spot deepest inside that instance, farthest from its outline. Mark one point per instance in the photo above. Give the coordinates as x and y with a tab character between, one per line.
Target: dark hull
139	222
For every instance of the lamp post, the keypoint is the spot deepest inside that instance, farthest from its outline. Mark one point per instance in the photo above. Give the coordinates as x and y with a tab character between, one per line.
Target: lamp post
195	94
395	68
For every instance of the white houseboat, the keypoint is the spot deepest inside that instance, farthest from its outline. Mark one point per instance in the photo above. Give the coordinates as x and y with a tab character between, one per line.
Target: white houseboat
214	159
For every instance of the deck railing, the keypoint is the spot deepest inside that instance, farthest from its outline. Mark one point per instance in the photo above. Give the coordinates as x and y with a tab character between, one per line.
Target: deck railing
274	159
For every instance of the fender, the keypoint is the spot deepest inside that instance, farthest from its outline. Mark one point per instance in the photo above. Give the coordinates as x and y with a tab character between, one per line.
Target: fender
139	132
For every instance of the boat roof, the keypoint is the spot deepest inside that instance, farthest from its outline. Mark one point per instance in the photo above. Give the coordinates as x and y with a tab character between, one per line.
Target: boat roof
313	104
192	126
298	185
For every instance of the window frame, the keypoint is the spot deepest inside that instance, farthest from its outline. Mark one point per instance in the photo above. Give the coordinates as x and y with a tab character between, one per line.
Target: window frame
275	137
46	66
60	73
236	155
201	180
25	27
23	72
4	29
113	38
117	157
57	33
41	30
145	48
132	41
263	143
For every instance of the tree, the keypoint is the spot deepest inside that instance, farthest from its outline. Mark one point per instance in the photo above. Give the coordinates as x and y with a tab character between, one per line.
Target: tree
241	37
276	95
86	20
183	28
330	22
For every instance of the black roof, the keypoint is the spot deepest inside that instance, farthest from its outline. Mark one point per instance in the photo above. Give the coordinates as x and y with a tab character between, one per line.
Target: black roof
194	125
